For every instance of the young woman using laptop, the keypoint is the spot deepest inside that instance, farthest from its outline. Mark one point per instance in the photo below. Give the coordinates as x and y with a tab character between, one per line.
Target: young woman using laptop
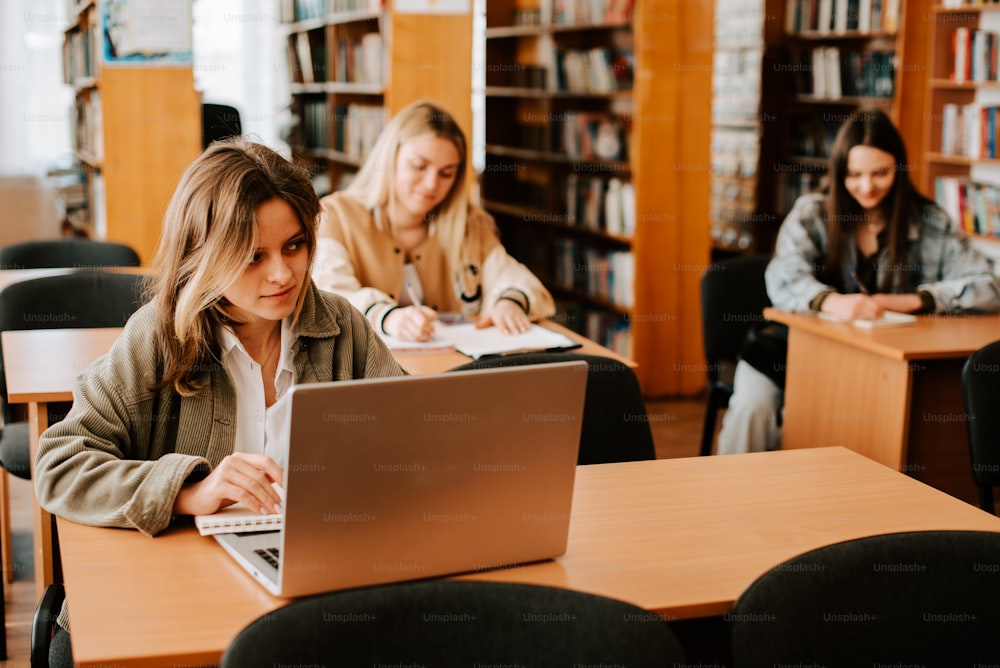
185	414
870	243
403	243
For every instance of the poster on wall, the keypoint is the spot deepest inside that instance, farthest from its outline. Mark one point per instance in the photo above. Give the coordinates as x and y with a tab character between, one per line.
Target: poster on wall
146	32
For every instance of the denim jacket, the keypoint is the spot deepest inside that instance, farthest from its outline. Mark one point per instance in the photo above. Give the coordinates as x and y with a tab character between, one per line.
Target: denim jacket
955	274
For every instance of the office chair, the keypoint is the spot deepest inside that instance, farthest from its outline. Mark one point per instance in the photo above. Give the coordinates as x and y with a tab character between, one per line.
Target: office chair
981	391
453	623
50	253
615	425
733	296
219	121
926	598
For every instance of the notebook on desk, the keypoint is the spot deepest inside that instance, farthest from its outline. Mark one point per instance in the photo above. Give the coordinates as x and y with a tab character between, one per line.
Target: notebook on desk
417	476
474	342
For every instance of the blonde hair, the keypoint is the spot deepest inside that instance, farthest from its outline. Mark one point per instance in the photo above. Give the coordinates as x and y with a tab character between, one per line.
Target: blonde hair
208	239
373	185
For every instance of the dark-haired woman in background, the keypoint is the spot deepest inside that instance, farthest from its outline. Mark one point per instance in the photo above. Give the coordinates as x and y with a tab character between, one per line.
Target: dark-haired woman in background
871	243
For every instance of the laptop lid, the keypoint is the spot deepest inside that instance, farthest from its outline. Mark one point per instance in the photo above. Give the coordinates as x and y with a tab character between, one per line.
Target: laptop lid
416	476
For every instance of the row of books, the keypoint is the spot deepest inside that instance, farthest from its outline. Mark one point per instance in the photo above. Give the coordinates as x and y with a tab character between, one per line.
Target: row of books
354	127
306	57
831	72
594	135
974	206
600	204
301	10
838	16
969	130
811	136
572	12
80	49
359	59
735	152
739	21
86	128
975	54
291	11
736	85
608	275
597	70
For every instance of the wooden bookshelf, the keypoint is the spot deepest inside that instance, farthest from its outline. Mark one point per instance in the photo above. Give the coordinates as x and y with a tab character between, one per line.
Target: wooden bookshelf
136	127
579	106
869	54
355	63
955	92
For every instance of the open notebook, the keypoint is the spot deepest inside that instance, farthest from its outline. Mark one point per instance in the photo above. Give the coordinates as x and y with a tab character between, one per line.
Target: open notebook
888	319
476	343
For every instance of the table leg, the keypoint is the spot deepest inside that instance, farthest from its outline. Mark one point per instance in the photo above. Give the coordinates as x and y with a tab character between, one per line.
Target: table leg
6	548
38	418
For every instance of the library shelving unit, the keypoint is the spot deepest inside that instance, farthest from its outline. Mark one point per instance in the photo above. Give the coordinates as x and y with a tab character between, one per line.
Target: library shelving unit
355	63
844	55
136	116
746	100
597	168
962	166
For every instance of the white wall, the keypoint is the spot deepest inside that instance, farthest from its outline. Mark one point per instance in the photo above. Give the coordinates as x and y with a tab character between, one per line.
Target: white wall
238	60
34	103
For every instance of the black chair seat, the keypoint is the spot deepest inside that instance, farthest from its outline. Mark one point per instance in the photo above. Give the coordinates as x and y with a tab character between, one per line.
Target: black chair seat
981	391
733	296
615	424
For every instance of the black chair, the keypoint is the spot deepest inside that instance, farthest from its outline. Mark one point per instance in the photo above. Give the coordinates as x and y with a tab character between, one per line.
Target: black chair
50	253
448	623
82	299
219	121
981	391
733	296
615	424
926	598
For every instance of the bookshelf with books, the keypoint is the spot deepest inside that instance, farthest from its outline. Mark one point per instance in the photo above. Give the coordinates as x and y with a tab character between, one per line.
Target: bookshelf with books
135	120
963	170
746	98
589	175
353	63
844	55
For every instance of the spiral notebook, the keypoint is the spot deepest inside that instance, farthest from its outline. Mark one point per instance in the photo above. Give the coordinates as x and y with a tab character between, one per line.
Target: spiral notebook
238	517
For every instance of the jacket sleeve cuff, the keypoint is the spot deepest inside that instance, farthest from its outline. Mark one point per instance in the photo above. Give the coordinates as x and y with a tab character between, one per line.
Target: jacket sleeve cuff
817	302
519	297
927	302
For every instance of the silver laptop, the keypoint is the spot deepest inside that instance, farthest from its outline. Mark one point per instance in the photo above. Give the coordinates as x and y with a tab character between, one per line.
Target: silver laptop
418	476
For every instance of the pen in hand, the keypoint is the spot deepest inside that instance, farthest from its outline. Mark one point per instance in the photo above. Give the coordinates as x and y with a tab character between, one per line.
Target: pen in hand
415	300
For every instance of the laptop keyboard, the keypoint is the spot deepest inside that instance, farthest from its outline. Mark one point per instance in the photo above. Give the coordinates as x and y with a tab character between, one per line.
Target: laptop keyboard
271	555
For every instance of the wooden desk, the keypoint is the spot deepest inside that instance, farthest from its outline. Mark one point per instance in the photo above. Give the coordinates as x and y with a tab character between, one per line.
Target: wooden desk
893	394
42	365
679	537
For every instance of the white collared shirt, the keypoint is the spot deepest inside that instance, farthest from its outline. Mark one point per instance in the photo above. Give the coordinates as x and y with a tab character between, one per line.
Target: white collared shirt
259	429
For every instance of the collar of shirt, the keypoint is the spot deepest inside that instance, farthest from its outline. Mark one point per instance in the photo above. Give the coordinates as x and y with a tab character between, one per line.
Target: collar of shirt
230	344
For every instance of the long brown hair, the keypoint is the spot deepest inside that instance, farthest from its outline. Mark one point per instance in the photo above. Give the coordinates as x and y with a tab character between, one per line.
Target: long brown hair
208	239
870	127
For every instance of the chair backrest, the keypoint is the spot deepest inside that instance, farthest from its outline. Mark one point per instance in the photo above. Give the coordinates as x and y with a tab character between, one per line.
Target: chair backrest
453	623
48	253
733	295
926	598
79	300
981	391
615	425
219	121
